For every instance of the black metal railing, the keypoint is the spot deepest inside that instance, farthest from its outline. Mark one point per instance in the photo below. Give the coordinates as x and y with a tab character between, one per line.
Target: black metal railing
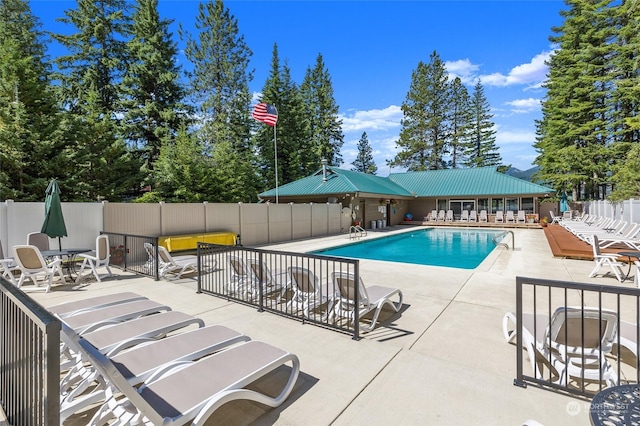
295	285
135	253
29	360
577	337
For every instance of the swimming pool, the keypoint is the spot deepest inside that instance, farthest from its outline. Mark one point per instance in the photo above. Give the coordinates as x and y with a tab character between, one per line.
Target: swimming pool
456	248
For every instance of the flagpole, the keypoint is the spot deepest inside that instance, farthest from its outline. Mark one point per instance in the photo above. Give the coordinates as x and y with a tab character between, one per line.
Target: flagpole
275	153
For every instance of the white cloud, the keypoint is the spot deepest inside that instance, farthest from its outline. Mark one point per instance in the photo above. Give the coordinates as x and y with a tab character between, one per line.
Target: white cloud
464	69
522	137
532	73
374	119
523	106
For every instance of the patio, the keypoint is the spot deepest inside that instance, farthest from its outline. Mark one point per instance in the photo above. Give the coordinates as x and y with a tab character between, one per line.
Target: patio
442	360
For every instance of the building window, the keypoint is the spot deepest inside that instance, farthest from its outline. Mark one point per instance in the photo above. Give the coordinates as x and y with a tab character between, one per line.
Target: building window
483	204
512	204
527	204
497	204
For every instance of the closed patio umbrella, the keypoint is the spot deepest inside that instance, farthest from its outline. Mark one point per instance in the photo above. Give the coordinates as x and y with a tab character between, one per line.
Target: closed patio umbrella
53	224
564	205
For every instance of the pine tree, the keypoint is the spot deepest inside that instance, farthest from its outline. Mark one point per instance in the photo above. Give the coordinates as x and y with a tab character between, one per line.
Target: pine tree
481	148
324	124
364	160
461	121
426	126
153	107
30	150
91	90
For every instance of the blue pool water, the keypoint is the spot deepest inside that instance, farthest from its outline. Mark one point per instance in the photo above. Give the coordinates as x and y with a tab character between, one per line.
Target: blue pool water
456	248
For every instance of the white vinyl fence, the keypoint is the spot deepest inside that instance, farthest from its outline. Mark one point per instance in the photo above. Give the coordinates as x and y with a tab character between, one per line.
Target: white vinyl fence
628	210
255	223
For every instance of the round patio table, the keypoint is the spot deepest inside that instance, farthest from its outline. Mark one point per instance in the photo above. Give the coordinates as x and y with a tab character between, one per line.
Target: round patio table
629	254
70	254
617	405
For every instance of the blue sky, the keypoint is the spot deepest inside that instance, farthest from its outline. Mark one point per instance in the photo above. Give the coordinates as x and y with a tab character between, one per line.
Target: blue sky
370	49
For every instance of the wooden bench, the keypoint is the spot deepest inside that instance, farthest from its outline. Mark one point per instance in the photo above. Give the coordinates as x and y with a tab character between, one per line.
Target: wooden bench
186	242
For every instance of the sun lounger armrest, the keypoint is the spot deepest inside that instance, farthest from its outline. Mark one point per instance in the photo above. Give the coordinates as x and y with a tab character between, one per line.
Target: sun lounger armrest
126	344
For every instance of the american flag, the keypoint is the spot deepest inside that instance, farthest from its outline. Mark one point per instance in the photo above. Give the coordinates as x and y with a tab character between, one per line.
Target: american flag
265	113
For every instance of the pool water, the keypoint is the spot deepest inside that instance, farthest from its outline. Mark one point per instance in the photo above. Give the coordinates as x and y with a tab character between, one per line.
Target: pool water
455	248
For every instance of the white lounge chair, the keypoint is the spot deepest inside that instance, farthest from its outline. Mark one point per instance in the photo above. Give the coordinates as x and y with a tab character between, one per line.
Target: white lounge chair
89	303
573	336
7	266
441	215
554	218
169	265
499	217
510	218
433	215
32	265
521	217
603	259
483	216
464	216
238	275
449	217
192	393
308	292
473	216
370	299
261	278
97	259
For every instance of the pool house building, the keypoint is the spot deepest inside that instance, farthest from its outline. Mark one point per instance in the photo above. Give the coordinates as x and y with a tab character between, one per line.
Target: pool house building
412	196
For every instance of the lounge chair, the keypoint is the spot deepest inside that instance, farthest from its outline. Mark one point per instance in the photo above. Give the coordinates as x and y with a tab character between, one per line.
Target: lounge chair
308	292
441	215
521	217
89	303
262	279
370	299
138	363
573	336
38	239
499	217
603	259
510	218
239	275
32	265
7	266
192	393
433	215
177	266
464	216
473	216
449	217
97	259
631	238
554	218
483	216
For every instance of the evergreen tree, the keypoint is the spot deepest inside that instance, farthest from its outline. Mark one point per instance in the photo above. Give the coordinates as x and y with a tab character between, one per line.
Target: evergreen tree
91	90
280	91
364	160
30	152
481	148
426	126
324	125
461	121
153	108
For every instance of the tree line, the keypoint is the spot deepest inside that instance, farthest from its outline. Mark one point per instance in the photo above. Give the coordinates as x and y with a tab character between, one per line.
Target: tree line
589	134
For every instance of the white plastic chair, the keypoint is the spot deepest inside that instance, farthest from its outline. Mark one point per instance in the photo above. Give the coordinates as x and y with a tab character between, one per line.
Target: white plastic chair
499	217
38	239
98	259
308	292
32	265
510	217
603	259
7	266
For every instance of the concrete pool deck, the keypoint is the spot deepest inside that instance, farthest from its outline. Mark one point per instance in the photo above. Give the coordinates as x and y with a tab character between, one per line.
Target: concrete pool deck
441	361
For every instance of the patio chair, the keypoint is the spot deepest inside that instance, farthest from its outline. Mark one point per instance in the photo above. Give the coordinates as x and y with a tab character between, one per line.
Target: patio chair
32	265
97	259
464	216
433	215
176	266
308	292
631	238
574	344
603	259
7	266
554	218
499	217
449	217
262	279
441	215
89	303
140	362
370	299
192	393
473	216
510	217
483	216
38	239
521	217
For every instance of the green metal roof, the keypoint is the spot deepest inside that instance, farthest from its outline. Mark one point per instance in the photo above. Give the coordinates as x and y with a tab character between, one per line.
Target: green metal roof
465	182
339	181
432	183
